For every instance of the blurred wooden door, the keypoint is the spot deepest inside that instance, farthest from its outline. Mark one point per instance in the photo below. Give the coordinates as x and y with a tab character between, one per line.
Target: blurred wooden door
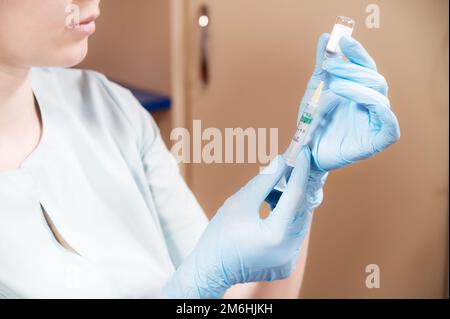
391	210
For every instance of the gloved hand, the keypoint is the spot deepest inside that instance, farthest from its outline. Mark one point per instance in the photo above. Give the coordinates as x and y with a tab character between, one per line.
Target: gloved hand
314	192
355	120
238	246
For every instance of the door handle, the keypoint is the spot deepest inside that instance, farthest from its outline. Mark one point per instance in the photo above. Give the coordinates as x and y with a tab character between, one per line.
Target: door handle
203	22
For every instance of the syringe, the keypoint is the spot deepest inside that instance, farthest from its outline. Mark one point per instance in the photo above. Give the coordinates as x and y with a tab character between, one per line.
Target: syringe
299	140
343	26
303	128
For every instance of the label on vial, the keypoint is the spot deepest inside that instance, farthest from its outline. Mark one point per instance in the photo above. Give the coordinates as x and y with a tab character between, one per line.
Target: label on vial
338	32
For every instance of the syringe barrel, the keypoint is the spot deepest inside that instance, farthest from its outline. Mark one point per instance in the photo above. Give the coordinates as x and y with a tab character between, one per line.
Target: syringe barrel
290	156
300	136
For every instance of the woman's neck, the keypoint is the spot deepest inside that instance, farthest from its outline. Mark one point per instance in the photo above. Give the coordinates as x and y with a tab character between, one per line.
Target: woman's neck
20	122
16	99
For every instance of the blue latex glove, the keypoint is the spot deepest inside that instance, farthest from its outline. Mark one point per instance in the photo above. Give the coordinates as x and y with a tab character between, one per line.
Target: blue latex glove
238	246
355	120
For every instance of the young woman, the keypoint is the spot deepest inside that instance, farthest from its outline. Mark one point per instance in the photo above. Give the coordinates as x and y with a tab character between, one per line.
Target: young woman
91	201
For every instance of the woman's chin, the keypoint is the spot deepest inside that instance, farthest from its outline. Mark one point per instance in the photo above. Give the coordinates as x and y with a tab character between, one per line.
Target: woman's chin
71	55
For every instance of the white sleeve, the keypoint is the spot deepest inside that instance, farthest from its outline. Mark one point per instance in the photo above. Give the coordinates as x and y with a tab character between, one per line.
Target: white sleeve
181	217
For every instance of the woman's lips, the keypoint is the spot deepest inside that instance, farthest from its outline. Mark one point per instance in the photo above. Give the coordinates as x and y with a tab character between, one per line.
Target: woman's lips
90	18
87	26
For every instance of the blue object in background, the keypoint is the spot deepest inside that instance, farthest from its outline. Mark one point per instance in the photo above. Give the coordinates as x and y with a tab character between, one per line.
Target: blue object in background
150	100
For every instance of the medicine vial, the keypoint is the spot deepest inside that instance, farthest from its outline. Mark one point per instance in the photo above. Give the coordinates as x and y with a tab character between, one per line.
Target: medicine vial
343	26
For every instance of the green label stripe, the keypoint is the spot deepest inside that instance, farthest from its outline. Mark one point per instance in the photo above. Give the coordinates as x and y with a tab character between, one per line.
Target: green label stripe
306	119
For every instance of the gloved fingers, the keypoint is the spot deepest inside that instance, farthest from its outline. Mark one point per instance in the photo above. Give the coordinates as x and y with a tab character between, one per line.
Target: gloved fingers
320	53
389	134
314	195
318	73
356	73
301	224
317	179
381	117
314	190
356	53
259	187
358	93
293	196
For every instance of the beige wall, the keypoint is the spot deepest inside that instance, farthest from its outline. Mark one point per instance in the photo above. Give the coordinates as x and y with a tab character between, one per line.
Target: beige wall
132	43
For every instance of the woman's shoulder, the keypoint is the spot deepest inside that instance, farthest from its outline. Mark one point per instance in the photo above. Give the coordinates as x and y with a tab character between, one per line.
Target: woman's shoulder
91	94
92	100
80	82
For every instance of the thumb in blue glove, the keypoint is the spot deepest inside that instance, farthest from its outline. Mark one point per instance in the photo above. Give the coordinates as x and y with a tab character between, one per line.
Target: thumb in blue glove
238	246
